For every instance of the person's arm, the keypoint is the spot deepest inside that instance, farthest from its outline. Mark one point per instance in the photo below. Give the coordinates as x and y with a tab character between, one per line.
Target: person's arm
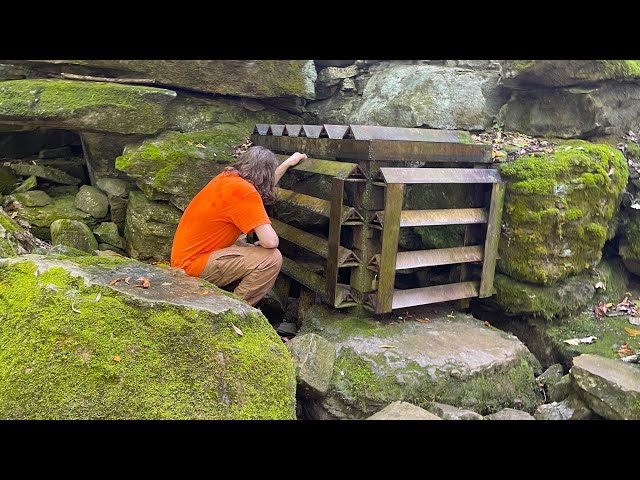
289	162
267	236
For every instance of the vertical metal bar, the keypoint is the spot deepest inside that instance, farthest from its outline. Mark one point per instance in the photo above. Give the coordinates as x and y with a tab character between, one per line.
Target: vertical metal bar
491	242
392	210
337	194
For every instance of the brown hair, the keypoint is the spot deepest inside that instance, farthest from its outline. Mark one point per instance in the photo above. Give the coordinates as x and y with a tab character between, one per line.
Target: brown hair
258	166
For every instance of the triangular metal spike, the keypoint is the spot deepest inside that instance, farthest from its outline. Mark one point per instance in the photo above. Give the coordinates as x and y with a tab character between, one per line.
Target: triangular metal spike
312	131
277	130
336	131
292	130
261	128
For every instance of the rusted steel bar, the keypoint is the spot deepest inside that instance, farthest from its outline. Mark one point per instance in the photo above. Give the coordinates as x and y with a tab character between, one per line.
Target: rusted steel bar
436	294
440	175
336	131
324	167
317	245
337	196
326	148
375	132
447	216
304	276
349	215
491	241
429	152
292	130
312	131
390	233
431	258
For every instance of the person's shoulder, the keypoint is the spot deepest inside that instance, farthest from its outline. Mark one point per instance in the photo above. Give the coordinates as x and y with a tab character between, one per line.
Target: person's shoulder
242	185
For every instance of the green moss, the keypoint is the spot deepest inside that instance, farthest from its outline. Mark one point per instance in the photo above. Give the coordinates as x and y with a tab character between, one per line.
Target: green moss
559	210
66	355
104	106
182	163
631	236
621	68
633	151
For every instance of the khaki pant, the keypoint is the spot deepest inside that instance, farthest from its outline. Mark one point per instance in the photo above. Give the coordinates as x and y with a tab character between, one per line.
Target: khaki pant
255	267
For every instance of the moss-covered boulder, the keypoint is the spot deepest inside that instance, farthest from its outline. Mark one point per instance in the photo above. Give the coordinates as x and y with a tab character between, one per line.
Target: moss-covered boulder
32	198
31	183
101	151
76	347
190	113
150	227
629	246
563	73
243	78
47	173
457	361
182	163
9	246
559	210
73	234
562	299
107	232
92	106
8	180
60	207
117	191
91	200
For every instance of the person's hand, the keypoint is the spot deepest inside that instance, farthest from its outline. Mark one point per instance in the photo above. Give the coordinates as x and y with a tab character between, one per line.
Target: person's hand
295	158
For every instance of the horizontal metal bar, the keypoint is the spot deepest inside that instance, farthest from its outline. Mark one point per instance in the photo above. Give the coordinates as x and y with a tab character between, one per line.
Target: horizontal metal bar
436	294
447	216
433	257
314	244
375	132
317	205
324	167
326	148
429	152
440	175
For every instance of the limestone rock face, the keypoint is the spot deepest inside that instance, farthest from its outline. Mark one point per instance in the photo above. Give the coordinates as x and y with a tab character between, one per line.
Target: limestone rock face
76	347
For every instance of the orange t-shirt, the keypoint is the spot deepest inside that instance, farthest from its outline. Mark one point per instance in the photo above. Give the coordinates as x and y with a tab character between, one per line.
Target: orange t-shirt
226	207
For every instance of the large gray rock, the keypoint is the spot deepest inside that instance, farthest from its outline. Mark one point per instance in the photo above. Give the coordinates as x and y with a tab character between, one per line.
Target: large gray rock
149	228
449	412
107	232
73	234
32	198
244	78
609	109
564	73
313	359
459	362
421	96
99	349
101	151
47	173
571	408
403	411
610	387
60	208
509	414
91	200
92	106
557	392
8	180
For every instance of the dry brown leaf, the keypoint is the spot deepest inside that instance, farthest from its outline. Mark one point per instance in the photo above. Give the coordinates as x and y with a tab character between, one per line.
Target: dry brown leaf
608	305
487	324
116	280
237	330
127	280
199	145
388	346
423	320
632	332
143	282
625	350
600	310
203	292
116	358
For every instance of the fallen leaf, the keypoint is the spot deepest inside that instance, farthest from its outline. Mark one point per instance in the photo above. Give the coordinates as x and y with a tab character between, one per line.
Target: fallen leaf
487	324
578	341
199	145
116	358
238	331
165	284
144	282
631	331
600	285
75	309
203	292
451	315
423	320
116	280
126	280
388	346
99	296
608	305
600	310
624	350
